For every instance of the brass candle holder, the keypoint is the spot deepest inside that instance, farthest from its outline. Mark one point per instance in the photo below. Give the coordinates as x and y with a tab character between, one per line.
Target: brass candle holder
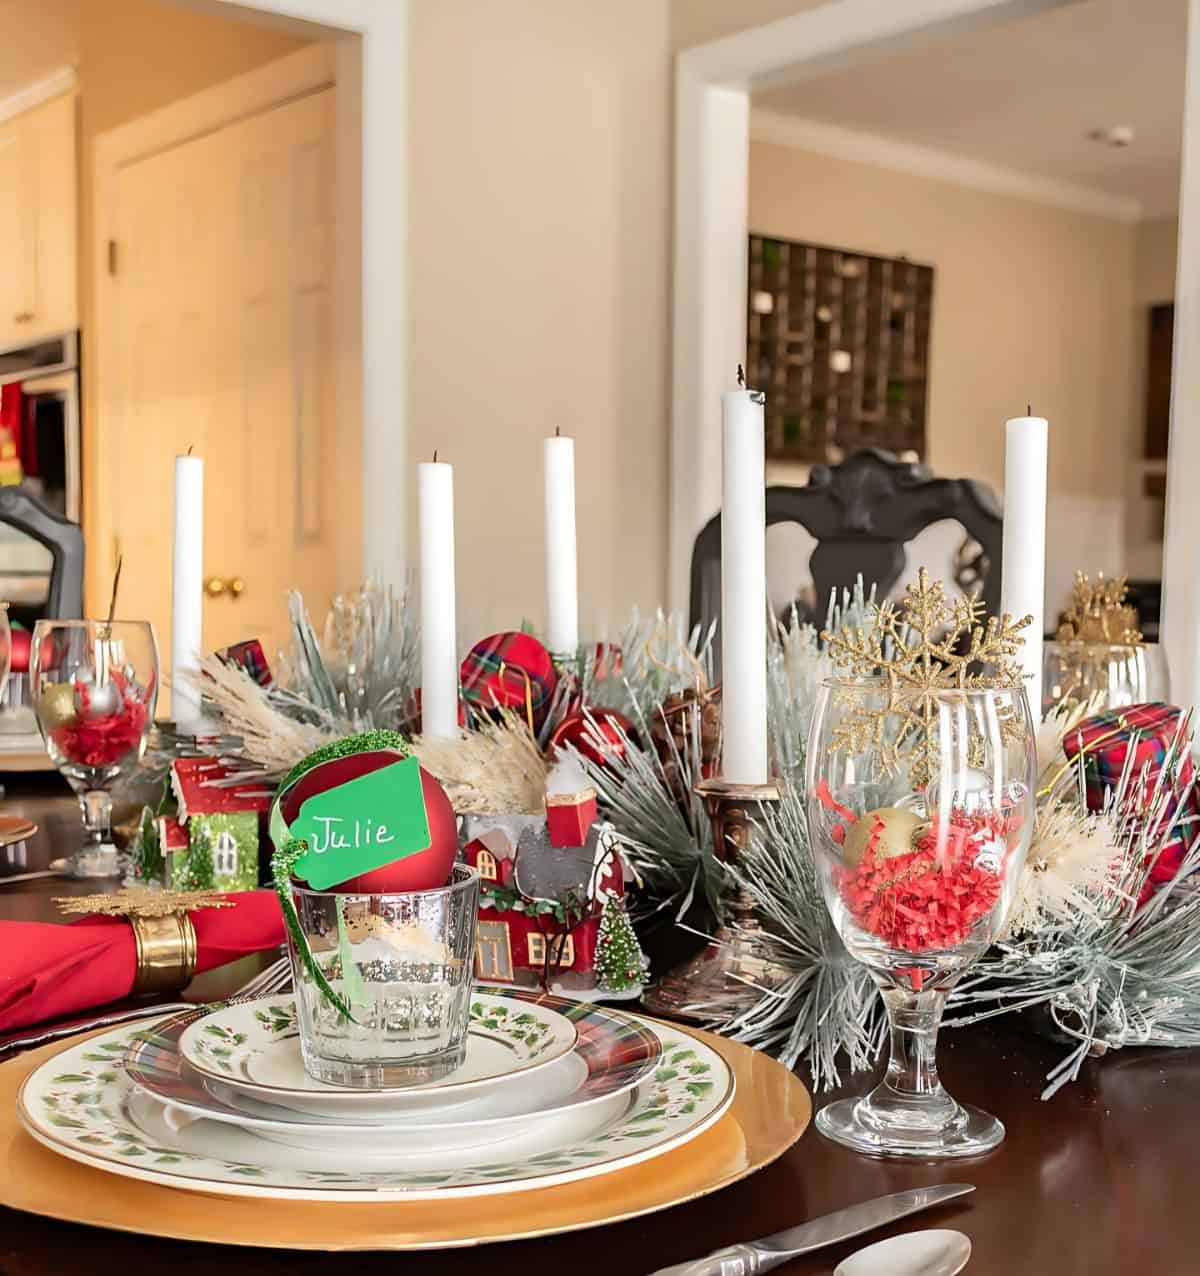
726	978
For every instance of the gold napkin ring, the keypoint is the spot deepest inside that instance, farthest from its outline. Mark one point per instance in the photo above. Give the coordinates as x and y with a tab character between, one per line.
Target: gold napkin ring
166	952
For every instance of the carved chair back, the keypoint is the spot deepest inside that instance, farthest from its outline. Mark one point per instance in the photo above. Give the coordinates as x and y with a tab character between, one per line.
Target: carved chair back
862	513
64	540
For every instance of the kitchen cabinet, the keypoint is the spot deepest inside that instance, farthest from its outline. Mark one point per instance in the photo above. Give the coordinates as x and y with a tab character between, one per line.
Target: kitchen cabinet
38	224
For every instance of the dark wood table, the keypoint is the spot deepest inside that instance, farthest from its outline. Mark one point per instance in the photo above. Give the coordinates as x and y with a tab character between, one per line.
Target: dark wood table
1099	1181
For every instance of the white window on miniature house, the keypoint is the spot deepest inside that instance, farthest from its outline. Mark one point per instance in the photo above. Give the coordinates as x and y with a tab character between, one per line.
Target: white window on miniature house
493	953
486	864
563	950
225	854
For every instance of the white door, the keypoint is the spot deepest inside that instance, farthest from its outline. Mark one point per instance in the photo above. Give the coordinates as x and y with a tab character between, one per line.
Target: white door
223	343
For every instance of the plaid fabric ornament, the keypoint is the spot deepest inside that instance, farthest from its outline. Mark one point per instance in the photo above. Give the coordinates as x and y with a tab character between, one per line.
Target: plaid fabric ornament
1147	731
249	657
509	671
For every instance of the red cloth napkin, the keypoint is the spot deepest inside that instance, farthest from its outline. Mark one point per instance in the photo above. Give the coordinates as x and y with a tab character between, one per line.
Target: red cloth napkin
48	971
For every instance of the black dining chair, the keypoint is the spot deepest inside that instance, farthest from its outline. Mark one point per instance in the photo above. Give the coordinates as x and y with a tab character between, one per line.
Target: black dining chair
64	540
862	513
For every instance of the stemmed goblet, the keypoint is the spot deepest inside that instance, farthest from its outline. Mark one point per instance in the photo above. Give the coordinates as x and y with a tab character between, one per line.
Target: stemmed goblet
94	686
920	813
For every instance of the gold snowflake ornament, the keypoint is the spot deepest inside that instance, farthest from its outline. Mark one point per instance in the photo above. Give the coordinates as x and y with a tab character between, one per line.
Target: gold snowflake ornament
927	645
140	901
1098	613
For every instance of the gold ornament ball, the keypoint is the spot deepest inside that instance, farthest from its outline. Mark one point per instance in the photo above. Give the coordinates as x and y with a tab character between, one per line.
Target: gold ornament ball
57	704
895	837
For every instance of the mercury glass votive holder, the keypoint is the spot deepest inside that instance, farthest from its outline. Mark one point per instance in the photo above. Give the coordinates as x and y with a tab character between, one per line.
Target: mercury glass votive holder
402	964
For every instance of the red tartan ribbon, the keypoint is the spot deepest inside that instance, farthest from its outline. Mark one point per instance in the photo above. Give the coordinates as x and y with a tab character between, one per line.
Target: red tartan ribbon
1148	731
249	657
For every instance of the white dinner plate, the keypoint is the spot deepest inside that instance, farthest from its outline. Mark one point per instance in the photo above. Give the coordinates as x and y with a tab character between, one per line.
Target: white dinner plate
82	1104
615	1053
254	1047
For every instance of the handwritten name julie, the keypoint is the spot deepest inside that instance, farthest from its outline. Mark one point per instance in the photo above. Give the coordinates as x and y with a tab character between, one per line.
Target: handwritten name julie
328	837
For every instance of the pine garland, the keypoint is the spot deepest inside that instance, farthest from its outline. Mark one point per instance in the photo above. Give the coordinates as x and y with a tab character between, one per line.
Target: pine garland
1109	974
827	1005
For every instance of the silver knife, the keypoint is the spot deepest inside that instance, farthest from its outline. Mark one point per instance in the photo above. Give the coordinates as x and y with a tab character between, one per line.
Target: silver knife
762	1255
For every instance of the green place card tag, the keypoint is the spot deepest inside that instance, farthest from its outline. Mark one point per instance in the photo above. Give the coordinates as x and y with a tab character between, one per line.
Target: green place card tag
364	824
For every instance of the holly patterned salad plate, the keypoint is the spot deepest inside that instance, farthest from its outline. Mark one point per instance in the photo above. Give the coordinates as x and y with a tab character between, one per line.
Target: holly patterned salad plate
614	1054
83	1105
254	1048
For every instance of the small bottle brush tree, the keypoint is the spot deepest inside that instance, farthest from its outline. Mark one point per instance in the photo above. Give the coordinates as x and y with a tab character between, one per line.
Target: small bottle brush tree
200	876
620	962
146	852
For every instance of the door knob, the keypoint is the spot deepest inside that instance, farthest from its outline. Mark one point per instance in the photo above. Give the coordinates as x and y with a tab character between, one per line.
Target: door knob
214	586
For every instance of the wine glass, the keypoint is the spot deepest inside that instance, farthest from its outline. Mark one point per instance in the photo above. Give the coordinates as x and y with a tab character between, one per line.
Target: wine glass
1120	673
94	685
920	812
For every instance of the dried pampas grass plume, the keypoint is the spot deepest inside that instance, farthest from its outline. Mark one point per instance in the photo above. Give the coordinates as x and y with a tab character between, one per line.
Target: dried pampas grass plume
271	740
497	769
1074	863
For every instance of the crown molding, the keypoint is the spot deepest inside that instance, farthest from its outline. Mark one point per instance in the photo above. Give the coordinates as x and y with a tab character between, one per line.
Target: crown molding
49	86
780	129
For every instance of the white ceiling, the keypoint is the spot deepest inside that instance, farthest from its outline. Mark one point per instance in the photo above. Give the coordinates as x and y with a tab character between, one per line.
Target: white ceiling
39	36
1024	96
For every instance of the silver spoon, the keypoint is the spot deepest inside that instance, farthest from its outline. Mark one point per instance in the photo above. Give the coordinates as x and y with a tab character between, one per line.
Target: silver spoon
938	1252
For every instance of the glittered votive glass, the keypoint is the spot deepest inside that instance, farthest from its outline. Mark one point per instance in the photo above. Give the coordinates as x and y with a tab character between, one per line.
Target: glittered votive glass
1115	674
403	964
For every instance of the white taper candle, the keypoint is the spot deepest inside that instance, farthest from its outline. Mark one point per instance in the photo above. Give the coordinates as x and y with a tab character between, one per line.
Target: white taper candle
562	588
743	589
439	637
187	588
1023	578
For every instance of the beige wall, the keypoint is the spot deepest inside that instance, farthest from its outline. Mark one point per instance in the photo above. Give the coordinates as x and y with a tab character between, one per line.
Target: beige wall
40	36
698	21
135	56
540	196
1031	304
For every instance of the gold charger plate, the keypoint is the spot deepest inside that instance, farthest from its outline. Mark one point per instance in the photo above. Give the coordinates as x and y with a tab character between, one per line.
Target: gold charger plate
770	1112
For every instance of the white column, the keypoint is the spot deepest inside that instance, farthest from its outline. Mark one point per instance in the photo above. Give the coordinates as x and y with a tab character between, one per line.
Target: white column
187	588
439	638
1181	540
743	590
1023	579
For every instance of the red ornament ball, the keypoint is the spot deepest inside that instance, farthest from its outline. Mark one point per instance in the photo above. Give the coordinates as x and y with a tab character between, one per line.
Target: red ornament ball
424	871
22	649
600	735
